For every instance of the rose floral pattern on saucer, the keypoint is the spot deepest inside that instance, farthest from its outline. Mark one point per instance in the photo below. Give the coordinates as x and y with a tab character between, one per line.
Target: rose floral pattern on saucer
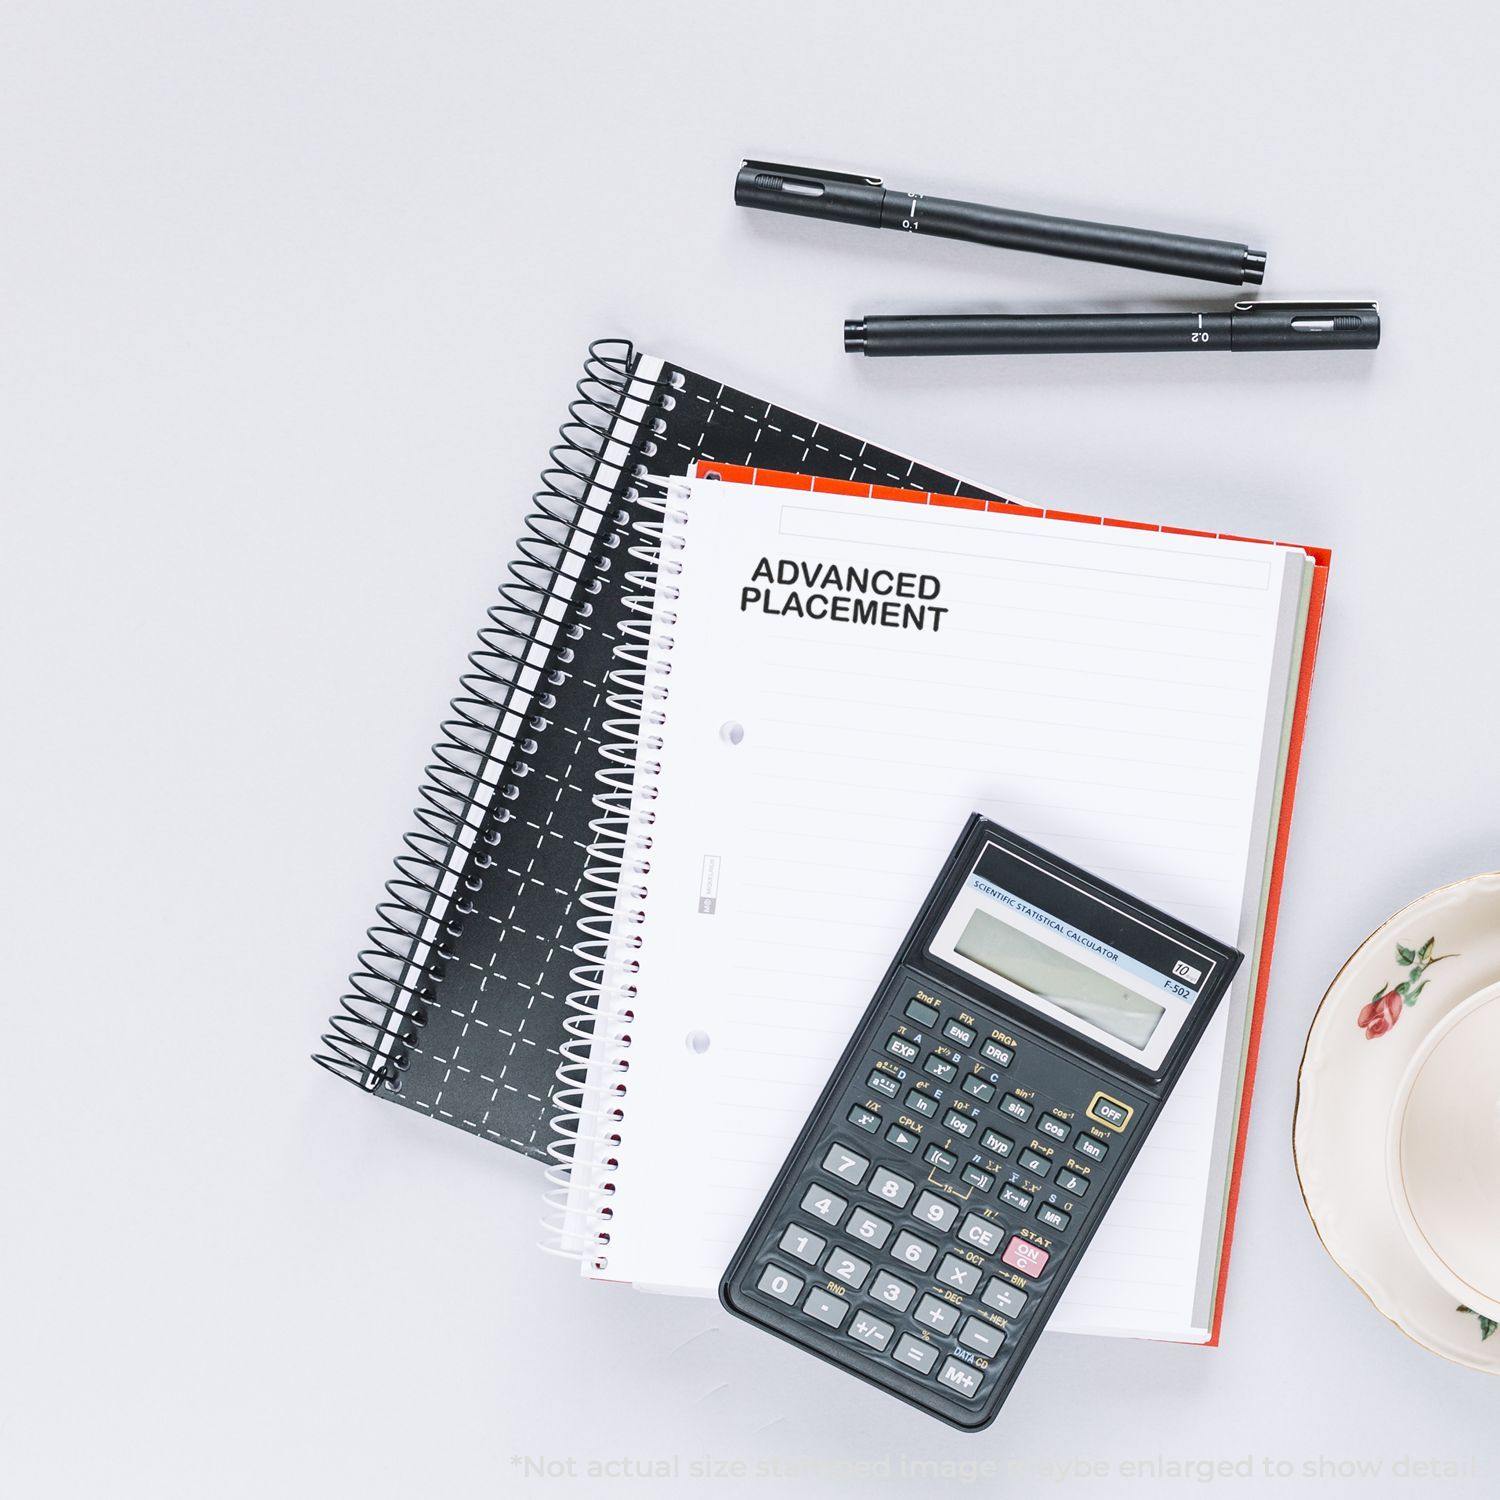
1438	951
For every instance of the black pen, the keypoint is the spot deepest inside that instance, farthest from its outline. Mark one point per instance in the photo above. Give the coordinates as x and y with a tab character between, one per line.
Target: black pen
851	199
1245	326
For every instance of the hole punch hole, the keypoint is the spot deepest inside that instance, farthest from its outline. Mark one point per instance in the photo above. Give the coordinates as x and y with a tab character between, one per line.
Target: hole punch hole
697	1042
732	732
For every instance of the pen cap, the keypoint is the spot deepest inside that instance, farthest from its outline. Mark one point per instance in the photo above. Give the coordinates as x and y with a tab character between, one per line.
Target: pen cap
814	194
1304	325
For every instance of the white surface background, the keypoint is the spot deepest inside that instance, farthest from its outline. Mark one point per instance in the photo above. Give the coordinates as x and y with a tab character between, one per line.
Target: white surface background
292	299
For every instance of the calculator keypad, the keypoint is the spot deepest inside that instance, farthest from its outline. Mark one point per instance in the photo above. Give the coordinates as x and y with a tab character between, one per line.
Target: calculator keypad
924	1228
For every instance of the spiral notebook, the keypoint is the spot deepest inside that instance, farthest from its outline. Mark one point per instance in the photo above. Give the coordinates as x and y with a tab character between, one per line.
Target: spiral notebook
797	758
458	1009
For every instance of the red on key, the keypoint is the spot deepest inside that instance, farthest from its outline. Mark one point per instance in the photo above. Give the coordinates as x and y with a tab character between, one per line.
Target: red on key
1028	1259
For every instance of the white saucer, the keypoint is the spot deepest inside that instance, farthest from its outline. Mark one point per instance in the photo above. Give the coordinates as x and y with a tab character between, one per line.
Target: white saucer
1351	1068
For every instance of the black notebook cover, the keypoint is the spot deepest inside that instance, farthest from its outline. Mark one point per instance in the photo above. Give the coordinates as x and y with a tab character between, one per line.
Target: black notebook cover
458	1009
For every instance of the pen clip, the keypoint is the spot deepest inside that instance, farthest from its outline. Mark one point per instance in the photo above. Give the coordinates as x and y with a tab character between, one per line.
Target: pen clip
1311	306
809	176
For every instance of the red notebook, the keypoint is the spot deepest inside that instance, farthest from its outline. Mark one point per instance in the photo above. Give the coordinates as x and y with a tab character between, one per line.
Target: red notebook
1317	590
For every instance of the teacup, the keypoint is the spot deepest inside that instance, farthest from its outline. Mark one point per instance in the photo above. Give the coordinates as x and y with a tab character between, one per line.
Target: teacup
1443	1152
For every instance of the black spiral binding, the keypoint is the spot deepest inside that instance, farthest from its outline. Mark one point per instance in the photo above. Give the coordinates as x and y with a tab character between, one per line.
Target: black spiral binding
440	875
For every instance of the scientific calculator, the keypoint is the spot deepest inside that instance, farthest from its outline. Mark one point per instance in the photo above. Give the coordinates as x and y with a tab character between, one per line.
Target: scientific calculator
982	1117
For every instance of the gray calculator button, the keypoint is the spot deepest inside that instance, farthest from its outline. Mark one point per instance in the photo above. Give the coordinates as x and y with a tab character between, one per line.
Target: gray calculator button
825	1307
898	1046
997	1144
914	1252
1017	1109
940	1068
1038	1166
957	1376
849	1269
1071	1182
901	1138
982	1234
981	1337
1051	1125
944	1161
920	1012
917	1353
921	1104
978	1177
958	1274
803	1243
956	1031
864	1118
883	1083
1053	1218
867	1229
1012	1195
894	1190
959	1124
936	1313
1003	1297
1087	1146
849	1165
976	1086
784	1286
997	1053
936	1211
891	1291
870	1330
824	1204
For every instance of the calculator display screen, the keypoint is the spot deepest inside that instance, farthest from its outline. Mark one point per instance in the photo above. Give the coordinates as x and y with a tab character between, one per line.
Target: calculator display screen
1062	945
1093	997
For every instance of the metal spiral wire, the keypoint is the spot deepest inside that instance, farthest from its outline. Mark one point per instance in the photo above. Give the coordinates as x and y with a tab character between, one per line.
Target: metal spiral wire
592	1086
475	765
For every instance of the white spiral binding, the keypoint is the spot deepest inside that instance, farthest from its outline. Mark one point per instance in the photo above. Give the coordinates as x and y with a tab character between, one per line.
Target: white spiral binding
592	1087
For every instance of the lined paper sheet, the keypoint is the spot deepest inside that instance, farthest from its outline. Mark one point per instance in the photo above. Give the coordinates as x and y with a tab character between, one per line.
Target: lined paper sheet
1112	693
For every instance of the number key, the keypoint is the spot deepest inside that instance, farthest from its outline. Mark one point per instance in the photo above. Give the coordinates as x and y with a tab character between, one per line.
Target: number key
782	1285
803	1243
893	1189
824	1204
867	1228
849	1269
843	1162
934	1210
914	1251
892	1291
